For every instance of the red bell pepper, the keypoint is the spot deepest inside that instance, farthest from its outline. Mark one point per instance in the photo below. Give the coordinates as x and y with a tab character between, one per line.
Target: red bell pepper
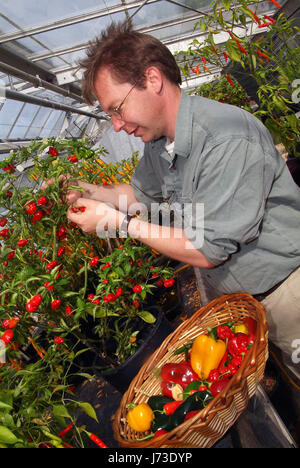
179	373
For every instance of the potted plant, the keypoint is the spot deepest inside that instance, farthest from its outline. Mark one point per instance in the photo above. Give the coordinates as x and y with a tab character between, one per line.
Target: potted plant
65	293
272	71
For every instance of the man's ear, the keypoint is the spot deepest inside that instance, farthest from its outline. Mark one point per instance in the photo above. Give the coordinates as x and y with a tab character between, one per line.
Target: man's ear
154	79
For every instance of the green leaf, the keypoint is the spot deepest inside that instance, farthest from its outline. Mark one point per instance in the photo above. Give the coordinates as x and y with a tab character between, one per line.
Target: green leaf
146	316
60	411
88	409
7	436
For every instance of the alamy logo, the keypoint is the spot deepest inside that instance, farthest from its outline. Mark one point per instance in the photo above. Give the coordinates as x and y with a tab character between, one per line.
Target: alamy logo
2	352
296	353
296	94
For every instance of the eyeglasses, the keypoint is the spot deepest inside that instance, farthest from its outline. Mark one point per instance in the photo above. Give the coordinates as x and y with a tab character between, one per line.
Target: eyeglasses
116	111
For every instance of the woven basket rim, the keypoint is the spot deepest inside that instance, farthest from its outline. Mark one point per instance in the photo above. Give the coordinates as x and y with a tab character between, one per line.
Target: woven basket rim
222	401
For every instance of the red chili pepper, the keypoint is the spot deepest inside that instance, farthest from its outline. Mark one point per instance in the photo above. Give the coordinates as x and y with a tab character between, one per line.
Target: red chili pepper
270	19
36	300
229	80
275	3
136	303
203	60
96	439
256	18
4	233
5	323
60	251
66	430
51	265
9	194
59	340
68	310
238	344
73	159
42	201
202	388
160	432
118	292
30	208
109	298
3	222
52	151
11	255
241	47
37	216
48	286
218	386
55	304
30	307
7	336
214	375
22	242
237	360
169	408
264	25
94	261
169	283
225	56
223	332
137	288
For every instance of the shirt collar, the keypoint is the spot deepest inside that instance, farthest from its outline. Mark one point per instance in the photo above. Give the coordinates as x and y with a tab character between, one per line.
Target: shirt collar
183	132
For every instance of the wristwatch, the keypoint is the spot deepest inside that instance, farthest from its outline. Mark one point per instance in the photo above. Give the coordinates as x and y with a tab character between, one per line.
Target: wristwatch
123	230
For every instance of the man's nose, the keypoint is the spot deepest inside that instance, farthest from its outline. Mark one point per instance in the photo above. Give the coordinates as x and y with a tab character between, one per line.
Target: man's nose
117	123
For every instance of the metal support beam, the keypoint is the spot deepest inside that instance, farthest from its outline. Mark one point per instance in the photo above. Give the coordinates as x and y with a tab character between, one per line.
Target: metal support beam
21	63
9	94
38	82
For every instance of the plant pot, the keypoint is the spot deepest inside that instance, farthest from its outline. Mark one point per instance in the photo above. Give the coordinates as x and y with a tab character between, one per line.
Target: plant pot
151	336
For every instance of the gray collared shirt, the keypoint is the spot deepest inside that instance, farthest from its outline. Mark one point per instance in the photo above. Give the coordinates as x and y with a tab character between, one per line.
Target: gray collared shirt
233	191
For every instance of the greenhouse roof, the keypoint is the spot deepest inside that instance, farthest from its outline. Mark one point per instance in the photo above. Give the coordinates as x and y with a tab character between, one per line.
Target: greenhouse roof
42	42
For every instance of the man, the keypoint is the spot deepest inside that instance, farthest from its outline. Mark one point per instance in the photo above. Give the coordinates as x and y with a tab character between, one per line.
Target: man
199	155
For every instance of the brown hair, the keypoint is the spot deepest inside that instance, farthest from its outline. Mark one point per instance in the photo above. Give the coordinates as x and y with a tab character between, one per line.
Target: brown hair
128	53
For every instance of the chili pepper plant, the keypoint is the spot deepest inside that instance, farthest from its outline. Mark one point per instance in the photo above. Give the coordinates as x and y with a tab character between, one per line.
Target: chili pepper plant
250	43
58	282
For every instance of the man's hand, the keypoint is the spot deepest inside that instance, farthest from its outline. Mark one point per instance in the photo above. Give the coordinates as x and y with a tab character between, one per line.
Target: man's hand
94	216
72	195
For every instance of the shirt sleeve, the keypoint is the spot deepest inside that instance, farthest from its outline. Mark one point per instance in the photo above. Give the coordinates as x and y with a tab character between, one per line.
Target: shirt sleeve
231	188
145	182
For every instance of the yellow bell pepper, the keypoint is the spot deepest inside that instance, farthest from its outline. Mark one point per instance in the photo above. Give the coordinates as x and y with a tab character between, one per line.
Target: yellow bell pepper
241	328
140	417
206	354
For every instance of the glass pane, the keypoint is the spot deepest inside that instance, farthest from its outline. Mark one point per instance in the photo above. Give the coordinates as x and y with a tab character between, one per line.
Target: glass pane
8	115
37	12
23	121
38	123
77	33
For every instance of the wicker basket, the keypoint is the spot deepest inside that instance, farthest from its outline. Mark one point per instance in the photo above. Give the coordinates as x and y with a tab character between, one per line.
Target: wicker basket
211	423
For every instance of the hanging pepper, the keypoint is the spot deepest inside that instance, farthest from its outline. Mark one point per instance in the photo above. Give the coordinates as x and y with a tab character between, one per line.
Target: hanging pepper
229	80
275	3
206	354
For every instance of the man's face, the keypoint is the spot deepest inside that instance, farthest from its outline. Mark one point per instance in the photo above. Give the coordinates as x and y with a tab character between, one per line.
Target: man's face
140	111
